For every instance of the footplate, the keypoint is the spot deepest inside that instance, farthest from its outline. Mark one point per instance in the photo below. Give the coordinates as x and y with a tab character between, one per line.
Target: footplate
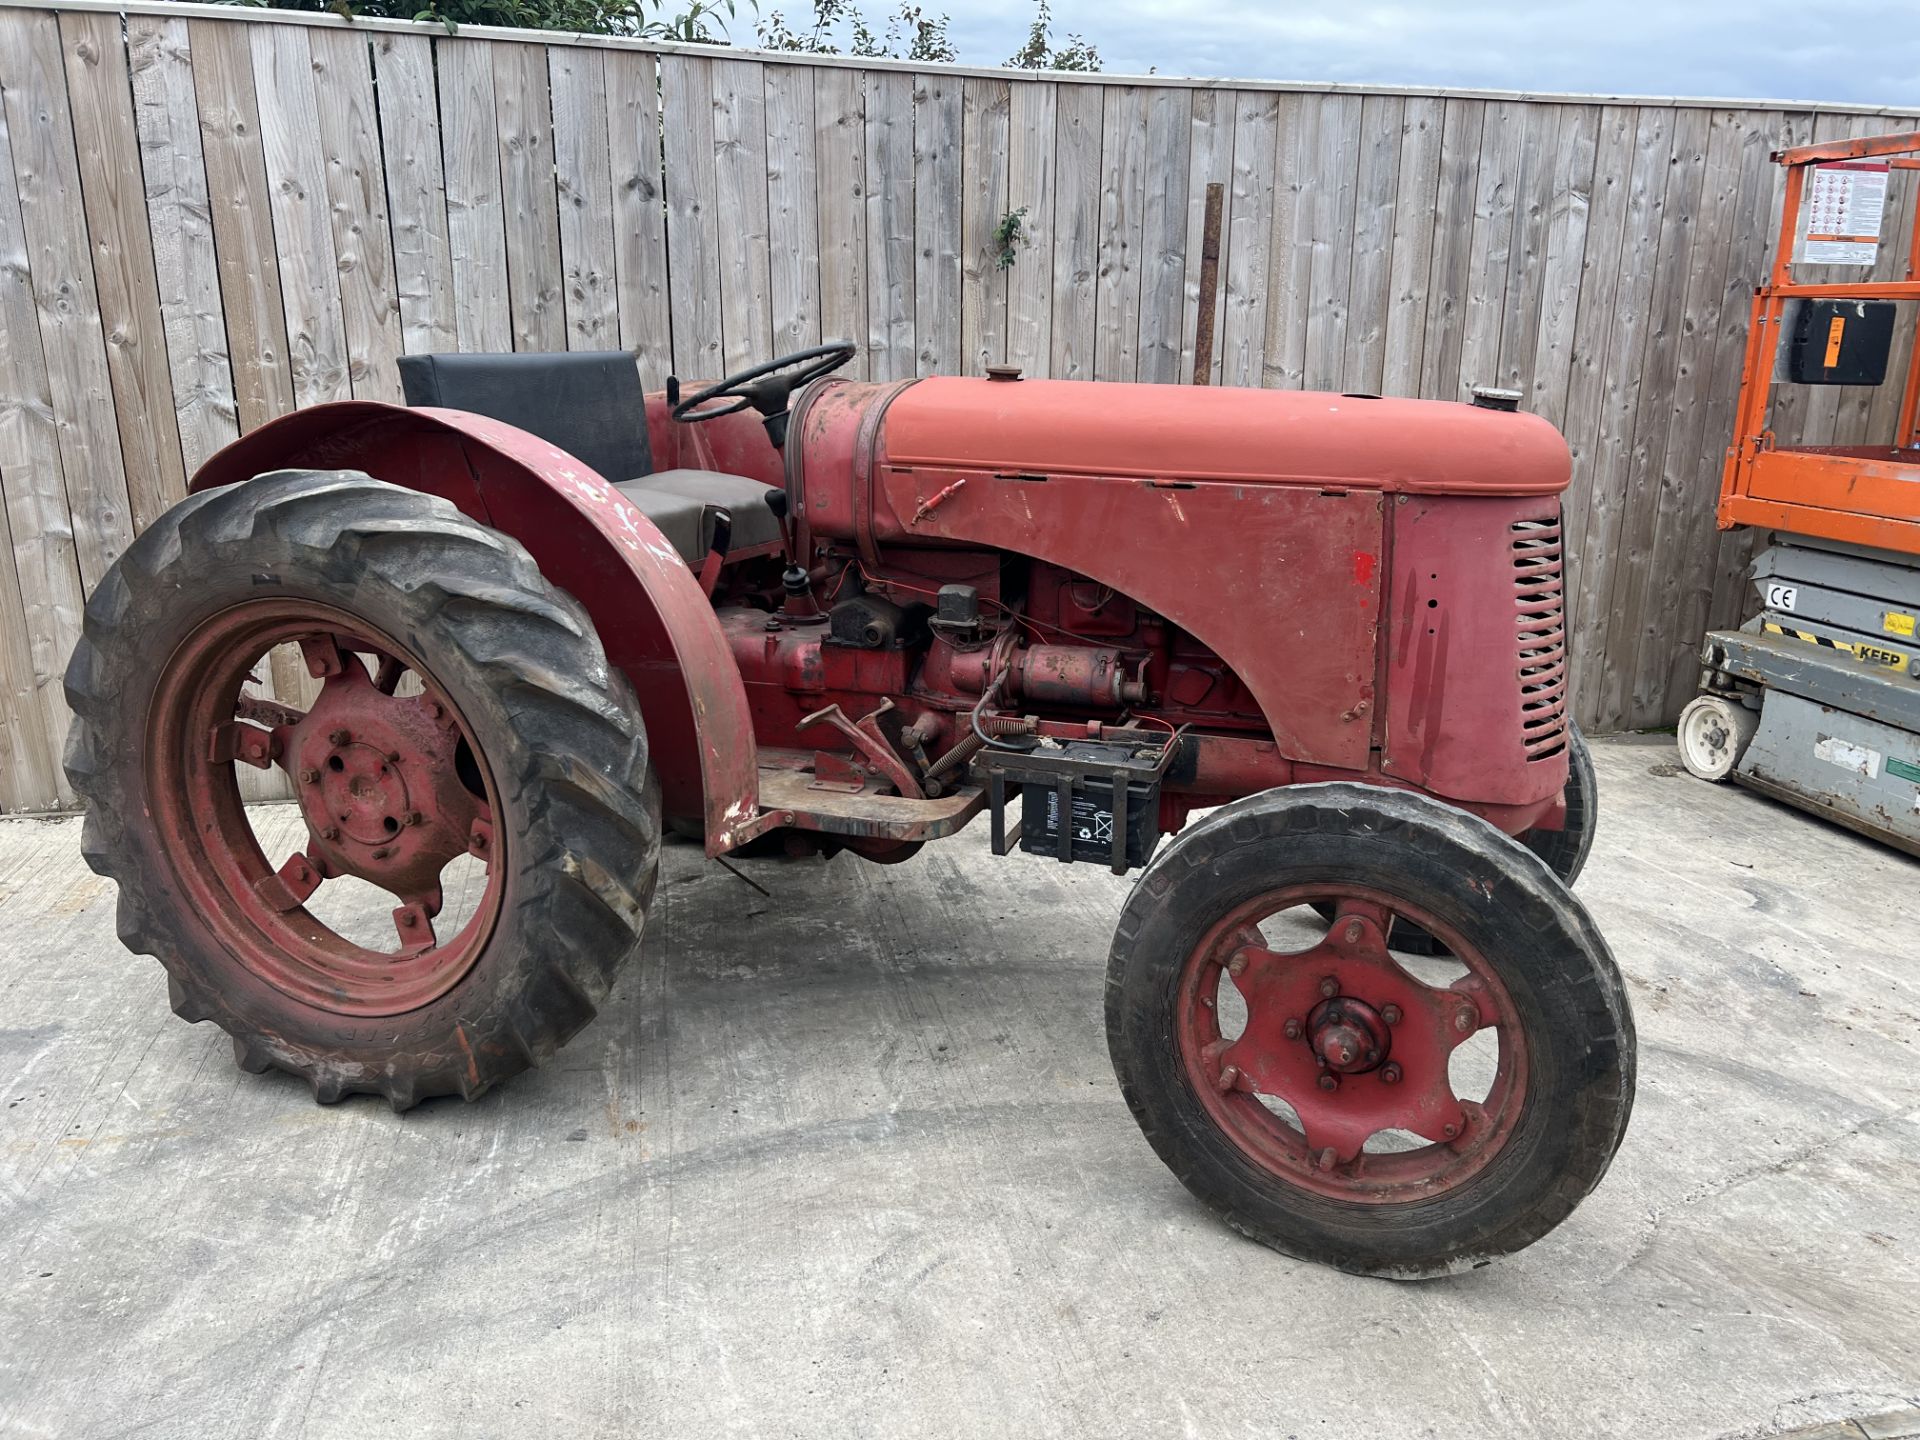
789	799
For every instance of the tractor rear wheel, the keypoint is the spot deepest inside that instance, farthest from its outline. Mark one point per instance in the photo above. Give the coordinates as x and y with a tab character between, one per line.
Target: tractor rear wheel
1342	1101
465	737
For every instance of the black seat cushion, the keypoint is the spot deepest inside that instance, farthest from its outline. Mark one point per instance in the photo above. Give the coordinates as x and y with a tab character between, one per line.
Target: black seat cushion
588	402
683	504
686	523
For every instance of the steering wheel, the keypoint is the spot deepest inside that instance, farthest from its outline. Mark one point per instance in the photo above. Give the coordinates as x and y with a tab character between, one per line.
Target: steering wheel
767	388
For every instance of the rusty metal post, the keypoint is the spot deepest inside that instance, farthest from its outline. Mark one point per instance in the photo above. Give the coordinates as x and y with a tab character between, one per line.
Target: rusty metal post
1209	285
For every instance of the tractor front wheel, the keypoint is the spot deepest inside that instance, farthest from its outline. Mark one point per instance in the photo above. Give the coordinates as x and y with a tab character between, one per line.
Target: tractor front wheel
452	732
1565	850
1336	1097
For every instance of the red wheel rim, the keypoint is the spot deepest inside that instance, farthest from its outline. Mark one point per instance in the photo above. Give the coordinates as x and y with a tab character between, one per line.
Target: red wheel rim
1354	1042
392	788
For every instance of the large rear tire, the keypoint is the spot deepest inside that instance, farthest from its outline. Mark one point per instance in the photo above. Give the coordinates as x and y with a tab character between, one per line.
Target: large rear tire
1306	1082
513	742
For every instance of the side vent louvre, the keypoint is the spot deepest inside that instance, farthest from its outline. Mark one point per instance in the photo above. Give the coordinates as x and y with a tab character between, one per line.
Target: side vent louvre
1541	628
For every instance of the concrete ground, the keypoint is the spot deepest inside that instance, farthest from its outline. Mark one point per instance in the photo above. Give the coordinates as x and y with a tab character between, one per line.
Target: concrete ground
851	1162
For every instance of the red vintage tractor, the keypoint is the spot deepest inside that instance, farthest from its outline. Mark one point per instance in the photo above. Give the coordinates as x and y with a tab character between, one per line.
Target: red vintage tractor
536	616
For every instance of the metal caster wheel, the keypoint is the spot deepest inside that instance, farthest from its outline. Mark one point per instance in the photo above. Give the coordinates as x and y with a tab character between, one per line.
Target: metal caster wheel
1713	735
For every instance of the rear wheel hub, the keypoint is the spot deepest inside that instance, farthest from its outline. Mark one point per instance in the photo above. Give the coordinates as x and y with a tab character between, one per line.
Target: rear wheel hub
391	786
380	784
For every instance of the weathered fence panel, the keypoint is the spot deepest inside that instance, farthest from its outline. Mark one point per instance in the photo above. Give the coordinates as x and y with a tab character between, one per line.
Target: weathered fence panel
209	216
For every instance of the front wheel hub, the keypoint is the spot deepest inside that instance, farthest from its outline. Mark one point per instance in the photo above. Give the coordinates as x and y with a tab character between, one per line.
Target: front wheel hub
1348	1035
1354	1044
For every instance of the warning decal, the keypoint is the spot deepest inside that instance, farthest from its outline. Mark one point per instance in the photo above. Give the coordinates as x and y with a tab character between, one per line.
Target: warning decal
1844	207
1835	331
1860	650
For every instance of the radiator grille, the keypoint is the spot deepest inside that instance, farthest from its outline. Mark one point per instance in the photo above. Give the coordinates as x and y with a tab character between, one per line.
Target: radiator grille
1541	629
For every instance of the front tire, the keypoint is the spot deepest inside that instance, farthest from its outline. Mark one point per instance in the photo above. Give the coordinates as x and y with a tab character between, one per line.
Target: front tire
465	708
1565	850
1301	1079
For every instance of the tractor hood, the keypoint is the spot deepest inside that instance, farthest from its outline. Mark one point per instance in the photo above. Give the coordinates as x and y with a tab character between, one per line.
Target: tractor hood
1188	432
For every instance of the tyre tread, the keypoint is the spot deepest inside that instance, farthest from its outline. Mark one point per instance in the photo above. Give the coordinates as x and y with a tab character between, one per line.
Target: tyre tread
533	644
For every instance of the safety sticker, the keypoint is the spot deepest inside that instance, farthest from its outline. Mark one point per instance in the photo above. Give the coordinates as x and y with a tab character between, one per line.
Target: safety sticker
1844	207
1848	756
1872	654
1905	769
1894	623
1782	597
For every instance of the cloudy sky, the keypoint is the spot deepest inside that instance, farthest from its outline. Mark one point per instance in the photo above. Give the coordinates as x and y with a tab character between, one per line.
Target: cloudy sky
1862	51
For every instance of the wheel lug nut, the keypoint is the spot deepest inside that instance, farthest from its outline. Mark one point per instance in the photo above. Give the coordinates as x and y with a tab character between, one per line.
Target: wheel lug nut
1329	1082
338	737
1227	1078
309	776
1466	1019
407	918
1353	932
381	853
330	833
1391	1014
1292	1029
1327	1158
414	817
1390	1074
1450	1131
1237	966
1329	988
393	757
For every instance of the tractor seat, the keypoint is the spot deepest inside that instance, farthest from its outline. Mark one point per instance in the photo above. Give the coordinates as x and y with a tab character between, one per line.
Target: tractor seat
684	504
590	404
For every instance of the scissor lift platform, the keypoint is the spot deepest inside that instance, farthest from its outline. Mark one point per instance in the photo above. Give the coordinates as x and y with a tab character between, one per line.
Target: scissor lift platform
1816	700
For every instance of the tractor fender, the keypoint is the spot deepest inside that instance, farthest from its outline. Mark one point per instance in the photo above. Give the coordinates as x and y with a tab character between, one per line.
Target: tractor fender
589	540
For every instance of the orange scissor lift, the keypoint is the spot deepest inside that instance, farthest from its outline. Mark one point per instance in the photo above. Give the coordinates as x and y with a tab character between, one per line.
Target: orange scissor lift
1816	700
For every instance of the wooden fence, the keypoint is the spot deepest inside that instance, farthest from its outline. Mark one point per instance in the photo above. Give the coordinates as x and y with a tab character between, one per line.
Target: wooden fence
210	217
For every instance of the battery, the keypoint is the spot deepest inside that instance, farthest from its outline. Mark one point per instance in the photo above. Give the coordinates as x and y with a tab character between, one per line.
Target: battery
1081	774
1095	800
1091	819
